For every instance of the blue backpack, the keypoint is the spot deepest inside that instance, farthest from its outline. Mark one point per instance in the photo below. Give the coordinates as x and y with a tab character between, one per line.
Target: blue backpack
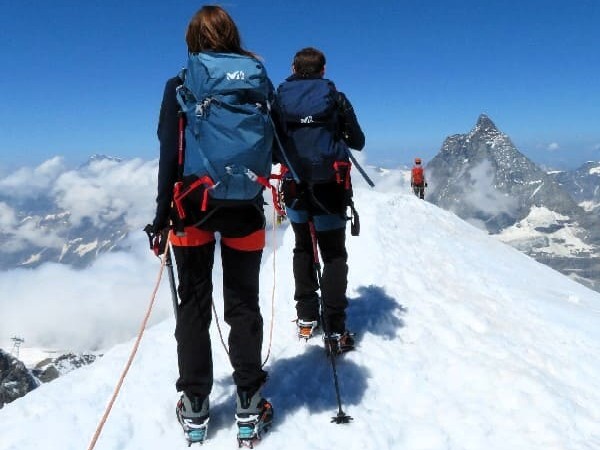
309	114
228	132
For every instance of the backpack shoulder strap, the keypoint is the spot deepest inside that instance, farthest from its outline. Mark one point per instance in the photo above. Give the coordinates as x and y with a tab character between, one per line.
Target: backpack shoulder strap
182	74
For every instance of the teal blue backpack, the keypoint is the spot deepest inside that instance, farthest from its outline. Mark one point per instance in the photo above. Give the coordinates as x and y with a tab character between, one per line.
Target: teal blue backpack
228	133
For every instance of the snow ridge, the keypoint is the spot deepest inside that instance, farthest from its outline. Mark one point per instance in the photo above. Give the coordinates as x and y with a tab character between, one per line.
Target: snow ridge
463	343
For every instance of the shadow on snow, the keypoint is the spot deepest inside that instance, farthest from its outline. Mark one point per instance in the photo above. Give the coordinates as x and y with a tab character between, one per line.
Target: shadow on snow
306	380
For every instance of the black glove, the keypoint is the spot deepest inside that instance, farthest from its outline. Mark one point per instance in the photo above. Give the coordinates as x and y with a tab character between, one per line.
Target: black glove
354	220
157	237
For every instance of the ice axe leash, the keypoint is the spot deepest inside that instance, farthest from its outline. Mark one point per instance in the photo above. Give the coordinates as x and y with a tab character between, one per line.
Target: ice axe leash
341	416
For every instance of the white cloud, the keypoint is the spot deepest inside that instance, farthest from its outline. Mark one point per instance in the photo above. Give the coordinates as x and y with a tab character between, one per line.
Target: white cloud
96	307
101	192
107	189
553	146
30	182
483	195
59	307
8	217
21	233
28	232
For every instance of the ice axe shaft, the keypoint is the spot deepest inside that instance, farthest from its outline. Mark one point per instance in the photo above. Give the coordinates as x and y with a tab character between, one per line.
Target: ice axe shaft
360	169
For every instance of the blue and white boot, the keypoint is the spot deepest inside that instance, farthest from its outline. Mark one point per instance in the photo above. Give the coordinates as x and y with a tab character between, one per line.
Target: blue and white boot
254	415
192	414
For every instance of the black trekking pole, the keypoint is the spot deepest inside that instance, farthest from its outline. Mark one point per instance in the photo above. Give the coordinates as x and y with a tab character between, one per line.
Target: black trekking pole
169	264
155	240
341	416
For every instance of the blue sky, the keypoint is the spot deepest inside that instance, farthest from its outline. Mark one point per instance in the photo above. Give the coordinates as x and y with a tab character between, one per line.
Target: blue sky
79	78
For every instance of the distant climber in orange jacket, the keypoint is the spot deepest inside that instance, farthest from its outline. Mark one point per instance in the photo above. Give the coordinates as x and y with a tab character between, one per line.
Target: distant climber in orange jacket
417	179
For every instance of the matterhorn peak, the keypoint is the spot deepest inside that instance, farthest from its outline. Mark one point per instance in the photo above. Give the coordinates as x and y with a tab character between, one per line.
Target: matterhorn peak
485	125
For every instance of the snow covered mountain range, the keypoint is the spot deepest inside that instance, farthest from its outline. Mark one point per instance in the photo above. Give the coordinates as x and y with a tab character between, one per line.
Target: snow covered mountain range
54	214
463	343
484	179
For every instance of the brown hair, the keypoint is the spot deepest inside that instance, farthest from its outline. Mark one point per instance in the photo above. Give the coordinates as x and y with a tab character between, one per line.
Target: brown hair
309	62
212	29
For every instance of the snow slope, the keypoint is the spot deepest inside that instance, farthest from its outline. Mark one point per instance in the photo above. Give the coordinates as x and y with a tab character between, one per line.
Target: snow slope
546	231
464	343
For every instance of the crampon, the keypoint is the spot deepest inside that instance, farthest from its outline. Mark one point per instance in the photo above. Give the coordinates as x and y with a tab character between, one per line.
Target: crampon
307	328
252	426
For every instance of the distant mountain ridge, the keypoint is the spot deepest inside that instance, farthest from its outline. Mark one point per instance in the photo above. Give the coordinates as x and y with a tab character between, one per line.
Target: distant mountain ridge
16	380
76	244
483	178
583	184
82	243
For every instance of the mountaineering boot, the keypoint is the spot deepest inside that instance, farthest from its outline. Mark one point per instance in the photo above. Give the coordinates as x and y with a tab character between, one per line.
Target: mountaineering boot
306	328
253	415
338	343
192	414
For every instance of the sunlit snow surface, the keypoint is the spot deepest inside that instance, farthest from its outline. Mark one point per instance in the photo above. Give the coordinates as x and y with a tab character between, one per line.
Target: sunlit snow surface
463	343
534	229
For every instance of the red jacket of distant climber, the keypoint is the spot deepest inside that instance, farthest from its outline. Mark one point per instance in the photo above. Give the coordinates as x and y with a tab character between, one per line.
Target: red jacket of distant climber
417	176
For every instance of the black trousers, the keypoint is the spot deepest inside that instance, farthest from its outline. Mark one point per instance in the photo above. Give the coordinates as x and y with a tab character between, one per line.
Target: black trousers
419	191
332	246
241	311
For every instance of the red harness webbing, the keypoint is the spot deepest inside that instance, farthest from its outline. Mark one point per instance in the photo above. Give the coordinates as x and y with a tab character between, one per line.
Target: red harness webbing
178	196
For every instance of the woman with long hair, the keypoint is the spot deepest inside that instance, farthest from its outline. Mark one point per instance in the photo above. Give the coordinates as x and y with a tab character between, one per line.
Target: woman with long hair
241	227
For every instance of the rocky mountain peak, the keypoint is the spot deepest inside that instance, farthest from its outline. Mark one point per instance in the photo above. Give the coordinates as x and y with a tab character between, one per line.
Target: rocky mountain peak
485	125
483	176
15	379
